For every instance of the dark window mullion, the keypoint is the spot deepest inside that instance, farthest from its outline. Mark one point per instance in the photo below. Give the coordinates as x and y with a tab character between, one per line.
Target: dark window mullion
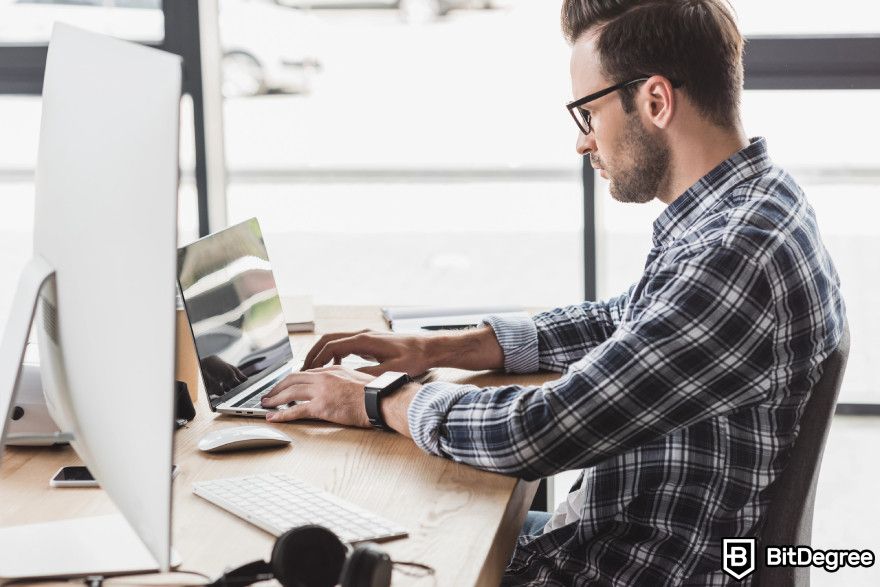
813	63
21	69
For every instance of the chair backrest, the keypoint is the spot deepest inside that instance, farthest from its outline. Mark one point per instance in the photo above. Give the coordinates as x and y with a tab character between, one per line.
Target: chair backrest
790	516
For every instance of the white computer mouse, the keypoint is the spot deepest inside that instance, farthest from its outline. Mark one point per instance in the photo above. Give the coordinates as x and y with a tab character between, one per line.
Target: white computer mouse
242	437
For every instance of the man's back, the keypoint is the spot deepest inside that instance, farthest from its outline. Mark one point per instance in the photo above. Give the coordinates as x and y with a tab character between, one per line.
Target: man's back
740	254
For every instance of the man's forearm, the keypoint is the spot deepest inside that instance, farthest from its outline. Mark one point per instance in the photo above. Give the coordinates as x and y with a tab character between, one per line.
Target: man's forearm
474	350
395	407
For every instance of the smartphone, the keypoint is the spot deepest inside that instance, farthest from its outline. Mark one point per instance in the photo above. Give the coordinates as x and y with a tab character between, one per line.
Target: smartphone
81	477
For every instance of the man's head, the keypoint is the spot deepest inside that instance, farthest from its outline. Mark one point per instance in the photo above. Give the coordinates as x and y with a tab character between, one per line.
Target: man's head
691	52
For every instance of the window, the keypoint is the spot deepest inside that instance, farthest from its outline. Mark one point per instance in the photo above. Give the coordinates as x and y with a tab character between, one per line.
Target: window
393	161
30	21
20	121
794	17
825	139
25	28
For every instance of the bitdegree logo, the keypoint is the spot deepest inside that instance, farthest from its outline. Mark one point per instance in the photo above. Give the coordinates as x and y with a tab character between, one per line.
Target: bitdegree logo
738	557
830	560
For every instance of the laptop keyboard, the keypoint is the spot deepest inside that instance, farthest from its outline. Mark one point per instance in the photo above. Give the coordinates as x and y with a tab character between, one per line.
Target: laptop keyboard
277	502
253	401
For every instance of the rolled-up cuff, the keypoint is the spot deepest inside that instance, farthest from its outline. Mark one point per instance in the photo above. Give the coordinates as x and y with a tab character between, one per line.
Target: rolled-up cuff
428	410
518	337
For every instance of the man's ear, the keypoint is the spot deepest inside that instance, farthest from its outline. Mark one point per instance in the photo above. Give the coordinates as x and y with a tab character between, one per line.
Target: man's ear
661	102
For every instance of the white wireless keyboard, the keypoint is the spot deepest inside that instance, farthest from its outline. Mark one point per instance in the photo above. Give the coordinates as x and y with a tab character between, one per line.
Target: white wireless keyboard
277	502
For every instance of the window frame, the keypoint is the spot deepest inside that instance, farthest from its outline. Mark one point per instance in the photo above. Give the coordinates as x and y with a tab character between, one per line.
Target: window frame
23	65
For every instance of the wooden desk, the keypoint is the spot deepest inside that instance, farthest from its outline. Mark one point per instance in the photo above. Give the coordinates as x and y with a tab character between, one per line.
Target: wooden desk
463	522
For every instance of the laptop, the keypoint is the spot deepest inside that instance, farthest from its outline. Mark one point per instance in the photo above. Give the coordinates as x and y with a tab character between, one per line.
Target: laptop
235	314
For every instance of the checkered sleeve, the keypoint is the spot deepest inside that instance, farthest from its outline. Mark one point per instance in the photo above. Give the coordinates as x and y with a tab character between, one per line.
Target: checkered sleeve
696	344
567	334
553	340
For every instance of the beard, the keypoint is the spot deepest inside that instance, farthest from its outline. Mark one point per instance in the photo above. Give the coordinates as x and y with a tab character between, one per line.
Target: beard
643	179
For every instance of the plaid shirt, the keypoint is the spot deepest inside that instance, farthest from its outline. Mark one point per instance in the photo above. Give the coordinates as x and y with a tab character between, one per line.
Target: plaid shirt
680	399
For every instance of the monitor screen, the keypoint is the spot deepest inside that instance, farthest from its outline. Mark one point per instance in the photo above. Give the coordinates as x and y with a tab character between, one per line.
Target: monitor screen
234	309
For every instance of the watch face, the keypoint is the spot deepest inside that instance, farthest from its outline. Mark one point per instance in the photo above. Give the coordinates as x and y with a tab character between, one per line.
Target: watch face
386	379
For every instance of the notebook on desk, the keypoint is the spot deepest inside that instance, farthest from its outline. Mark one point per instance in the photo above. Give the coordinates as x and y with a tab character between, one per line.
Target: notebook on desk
299	313
421	319
236	317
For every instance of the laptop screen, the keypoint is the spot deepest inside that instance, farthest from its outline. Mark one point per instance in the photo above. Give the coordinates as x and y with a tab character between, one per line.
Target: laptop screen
234	309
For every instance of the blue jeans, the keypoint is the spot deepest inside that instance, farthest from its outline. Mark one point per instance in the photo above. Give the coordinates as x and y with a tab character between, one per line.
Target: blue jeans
535	522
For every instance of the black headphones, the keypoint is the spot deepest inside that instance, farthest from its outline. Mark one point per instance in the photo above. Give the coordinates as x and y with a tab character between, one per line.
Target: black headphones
313	556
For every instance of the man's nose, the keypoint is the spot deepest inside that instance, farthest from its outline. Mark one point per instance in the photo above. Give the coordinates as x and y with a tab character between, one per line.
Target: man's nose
585	143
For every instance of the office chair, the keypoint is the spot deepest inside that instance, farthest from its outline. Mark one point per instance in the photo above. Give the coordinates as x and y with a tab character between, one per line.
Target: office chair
790	516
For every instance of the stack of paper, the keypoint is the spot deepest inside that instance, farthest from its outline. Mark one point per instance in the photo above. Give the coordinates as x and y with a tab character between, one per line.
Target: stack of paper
299	314
432	318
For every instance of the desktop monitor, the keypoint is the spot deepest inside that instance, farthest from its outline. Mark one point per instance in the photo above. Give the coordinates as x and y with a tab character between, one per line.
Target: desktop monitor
105	226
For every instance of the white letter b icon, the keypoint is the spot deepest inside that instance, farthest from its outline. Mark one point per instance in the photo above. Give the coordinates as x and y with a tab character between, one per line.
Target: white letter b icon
738	557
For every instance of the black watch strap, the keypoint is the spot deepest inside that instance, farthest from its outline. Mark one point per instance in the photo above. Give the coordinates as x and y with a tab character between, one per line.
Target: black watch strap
379	388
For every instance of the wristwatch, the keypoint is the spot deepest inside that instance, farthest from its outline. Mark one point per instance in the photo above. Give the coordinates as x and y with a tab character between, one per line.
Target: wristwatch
378	388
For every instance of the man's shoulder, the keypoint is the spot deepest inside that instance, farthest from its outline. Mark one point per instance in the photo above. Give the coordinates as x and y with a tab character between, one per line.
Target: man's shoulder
761	212
770	193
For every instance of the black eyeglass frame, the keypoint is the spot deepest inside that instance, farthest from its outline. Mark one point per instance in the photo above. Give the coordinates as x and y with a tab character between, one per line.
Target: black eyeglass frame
576	104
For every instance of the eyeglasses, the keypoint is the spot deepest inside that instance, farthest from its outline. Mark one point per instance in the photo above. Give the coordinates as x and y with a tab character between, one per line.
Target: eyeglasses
582	117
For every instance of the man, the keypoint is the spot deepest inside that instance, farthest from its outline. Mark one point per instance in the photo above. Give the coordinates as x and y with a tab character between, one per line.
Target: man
680	398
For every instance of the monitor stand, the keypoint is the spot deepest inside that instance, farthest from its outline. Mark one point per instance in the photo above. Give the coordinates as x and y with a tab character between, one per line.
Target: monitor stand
102	545
15	336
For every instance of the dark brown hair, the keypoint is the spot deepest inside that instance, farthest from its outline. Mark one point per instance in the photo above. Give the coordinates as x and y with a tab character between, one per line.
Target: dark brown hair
696	42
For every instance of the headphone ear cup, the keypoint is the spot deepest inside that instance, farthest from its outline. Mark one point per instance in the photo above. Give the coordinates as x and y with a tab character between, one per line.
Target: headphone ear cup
367	566
308	556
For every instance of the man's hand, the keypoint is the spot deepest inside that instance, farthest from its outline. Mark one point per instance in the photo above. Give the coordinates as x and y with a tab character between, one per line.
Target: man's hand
394	352
475	349
334	394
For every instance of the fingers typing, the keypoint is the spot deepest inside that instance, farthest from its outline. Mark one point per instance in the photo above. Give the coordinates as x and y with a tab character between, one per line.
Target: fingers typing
322	342
296	412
